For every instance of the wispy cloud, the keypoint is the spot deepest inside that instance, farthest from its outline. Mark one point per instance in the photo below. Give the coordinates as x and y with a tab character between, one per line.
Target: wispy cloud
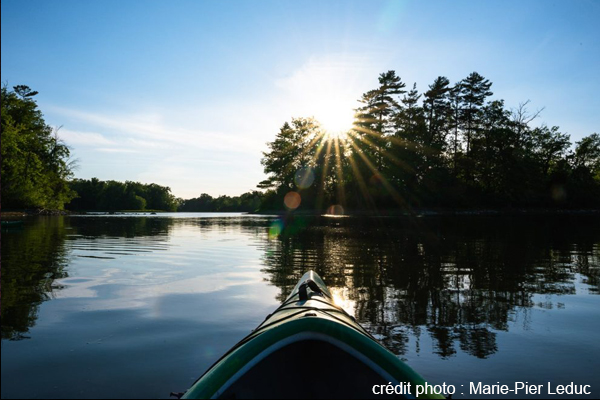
116	150
170	148
83	138
152	130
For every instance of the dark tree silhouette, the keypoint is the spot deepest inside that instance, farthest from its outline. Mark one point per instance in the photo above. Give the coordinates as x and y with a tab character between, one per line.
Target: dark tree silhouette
450	147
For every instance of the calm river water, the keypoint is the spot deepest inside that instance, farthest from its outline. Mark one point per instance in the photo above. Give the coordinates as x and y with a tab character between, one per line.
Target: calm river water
139	306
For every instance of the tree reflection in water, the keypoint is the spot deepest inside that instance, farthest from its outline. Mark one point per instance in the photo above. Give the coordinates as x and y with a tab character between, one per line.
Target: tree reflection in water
36	254
32	258
461	279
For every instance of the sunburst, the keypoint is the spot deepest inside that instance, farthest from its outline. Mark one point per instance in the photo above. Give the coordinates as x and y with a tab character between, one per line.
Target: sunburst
340	136
336	120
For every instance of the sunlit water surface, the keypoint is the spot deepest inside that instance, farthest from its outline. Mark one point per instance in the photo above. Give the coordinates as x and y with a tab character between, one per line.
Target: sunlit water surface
139	306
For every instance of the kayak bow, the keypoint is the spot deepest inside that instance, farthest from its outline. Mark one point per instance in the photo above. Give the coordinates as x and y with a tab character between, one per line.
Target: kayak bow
308	348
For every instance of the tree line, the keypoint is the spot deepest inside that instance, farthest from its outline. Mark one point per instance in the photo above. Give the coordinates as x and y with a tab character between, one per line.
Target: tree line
452	146
37	172
96	195
247	202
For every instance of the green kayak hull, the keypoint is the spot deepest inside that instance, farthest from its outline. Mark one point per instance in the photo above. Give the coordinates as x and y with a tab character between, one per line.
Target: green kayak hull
308	348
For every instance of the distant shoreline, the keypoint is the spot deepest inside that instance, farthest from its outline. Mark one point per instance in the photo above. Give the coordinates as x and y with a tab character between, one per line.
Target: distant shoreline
45	213
312	213
33	213
440	212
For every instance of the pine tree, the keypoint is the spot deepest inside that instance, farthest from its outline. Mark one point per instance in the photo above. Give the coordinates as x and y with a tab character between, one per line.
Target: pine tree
408	146
436	106
375	119
474	90
410	116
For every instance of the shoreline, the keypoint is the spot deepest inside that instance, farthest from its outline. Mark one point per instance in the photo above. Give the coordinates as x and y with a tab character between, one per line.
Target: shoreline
439	212
313	213
34	213
60	213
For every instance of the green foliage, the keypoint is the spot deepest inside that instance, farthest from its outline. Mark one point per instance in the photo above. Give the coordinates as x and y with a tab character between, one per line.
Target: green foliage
587	154
450	147
96	195
293	148
35	162
247	202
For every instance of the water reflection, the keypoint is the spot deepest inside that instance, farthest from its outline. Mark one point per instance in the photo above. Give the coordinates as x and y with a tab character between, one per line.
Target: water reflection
38	265
33	256
459	279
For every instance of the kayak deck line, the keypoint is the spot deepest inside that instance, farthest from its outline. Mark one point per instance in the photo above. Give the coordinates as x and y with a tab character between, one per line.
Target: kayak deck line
309	347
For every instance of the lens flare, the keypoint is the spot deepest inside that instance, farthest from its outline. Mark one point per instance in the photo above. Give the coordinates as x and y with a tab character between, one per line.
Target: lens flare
292	200
275	229
376	180
305	177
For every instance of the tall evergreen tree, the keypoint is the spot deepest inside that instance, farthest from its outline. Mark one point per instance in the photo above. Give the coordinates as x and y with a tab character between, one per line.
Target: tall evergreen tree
436	106
375	119
408	146
455	103
410	116
474	90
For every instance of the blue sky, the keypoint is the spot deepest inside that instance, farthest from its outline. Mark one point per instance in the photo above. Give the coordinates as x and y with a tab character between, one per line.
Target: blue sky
187	93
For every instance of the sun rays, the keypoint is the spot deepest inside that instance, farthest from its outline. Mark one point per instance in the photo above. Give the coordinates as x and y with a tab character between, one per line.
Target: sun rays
337	136
328	167
342	154
336	120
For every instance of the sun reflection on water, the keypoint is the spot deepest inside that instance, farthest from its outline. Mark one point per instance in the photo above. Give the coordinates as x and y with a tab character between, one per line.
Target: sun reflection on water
341	298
